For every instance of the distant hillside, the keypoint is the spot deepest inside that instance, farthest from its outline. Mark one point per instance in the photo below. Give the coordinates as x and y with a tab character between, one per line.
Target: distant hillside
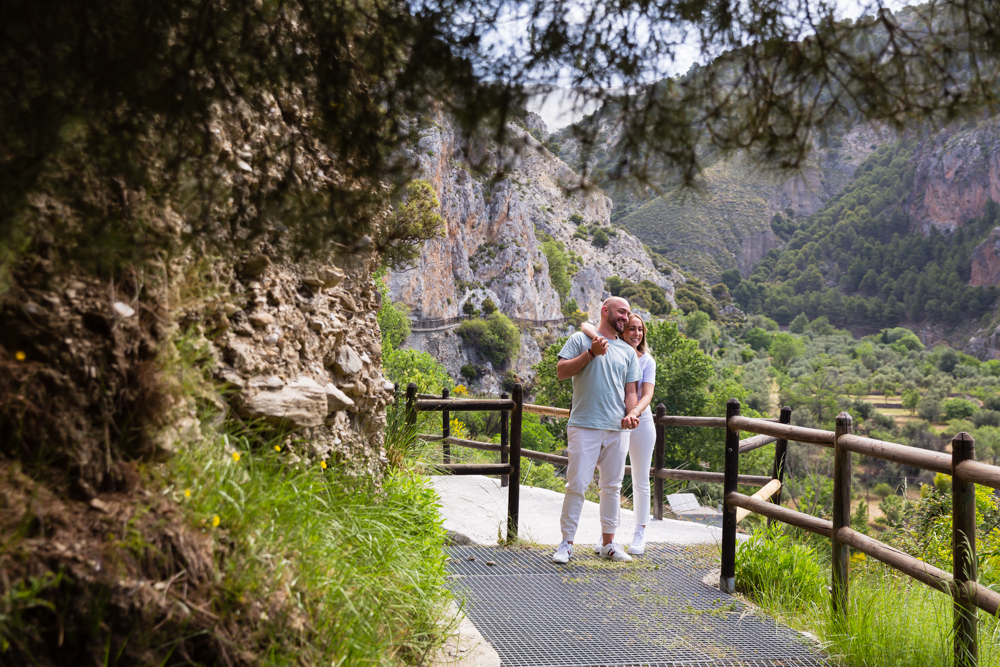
724	222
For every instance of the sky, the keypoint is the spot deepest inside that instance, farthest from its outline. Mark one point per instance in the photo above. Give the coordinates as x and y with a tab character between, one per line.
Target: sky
561	106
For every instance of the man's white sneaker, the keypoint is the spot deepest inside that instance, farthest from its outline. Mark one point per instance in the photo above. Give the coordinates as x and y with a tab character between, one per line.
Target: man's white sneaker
615	553
638	546
563	552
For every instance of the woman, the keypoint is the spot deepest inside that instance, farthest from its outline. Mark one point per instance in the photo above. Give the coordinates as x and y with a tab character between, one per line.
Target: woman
640	448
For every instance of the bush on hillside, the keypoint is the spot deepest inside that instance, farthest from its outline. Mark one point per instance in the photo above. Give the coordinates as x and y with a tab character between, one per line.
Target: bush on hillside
405	366
393	323
958	408
496	337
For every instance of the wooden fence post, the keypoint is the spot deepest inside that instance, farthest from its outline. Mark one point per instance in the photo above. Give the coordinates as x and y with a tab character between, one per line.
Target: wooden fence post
504	440
780	452
963	544
411	407
661	411
445	430
514	488
841	515
727	578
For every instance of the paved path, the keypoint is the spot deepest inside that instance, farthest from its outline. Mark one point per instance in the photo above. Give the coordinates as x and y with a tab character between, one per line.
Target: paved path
476	506
658	610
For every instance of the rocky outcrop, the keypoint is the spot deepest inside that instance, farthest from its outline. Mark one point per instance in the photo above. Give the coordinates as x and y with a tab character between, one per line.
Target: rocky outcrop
491	243
986	260
957	172
300	348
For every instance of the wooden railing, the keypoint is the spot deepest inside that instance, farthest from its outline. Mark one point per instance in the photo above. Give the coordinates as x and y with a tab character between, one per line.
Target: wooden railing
965	473
511	452
969	595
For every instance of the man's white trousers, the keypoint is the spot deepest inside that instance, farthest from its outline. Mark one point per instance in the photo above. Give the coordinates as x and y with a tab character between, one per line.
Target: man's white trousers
588	448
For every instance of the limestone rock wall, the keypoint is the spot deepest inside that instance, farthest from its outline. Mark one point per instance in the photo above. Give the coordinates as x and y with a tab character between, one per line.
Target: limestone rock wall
958	171
986	260
490	243
301	348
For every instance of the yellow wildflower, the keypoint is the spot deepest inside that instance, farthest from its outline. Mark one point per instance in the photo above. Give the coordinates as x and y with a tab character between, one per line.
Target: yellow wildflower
187	493
216	521
277	448
322	464
236	456
460	390
458	429
20	356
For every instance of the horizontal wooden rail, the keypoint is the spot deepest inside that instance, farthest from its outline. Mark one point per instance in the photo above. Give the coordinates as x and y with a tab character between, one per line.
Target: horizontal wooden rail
709	477
474	468
783	431
982	597
463	405
791	517
891	451
763	494
977	472
680	420
755	442
452	440
546	411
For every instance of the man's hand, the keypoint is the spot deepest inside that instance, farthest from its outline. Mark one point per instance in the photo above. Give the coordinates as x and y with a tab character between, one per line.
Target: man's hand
599	345
630	422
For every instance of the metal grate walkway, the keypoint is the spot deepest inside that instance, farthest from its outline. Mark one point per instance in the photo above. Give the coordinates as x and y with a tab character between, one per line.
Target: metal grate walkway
654	611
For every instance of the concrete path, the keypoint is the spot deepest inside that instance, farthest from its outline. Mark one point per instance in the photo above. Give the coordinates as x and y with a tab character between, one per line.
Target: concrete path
476	507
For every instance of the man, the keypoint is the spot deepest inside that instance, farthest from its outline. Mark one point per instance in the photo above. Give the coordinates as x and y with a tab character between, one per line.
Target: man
605	372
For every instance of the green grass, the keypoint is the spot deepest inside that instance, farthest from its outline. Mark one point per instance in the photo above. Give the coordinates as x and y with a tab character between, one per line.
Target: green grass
320	567
892	620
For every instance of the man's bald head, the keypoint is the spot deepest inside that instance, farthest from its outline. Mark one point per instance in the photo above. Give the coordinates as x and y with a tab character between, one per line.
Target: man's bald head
615	312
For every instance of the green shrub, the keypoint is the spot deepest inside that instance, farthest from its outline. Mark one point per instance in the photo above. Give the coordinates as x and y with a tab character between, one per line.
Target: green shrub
929	409
495	338
600	239
469	308
882	490
393	323
555	254
414	221
799	324
469	371
489	307
757	338
958	408
405	366
576	219
648	295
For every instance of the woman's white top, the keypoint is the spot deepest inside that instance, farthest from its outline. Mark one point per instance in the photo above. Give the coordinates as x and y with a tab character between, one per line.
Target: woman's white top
647	366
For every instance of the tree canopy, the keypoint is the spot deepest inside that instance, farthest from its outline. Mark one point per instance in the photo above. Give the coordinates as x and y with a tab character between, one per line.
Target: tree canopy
228	122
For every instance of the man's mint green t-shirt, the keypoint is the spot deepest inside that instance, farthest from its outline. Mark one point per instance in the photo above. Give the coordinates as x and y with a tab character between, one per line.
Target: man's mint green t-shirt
599	389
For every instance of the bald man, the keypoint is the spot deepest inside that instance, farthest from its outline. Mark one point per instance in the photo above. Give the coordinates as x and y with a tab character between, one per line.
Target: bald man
605	371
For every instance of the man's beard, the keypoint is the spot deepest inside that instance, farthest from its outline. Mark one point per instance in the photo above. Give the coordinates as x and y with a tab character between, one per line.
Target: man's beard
619	325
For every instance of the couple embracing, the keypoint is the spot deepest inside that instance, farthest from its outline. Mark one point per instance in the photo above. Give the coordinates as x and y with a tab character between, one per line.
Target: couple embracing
613	375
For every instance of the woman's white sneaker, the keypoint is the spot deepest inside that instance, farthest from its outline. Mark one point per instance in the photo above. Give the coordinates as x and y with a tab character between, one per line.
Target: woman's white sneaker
563	553
638	546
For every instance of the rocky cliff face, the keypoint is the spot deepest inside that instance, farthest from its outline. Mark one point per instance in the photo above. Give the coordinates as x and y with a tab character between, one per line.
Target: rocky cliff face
958	171
490	246
986	261
301	348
